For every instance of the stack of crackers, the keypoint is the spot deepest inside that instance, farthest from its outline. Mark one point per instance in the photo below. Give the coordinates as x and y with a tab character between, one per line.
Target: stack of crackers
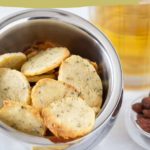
49	89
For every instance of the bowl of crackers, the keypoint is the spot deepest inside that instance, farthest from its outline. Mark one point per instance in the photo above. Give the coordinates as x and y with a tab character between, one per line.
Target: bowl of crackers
60	79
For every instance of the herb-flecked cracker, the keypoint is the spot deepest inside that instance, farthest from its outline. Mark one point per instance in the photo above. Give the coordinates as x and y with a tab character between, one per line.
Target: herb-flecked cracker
13	86
12	60
22	117
45	61
48	90
81	74
69	118
39	77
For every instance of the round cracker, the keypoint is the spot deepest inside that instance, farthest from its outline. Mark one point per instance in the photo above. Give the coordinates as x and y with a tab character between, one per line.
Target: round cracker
69	118
48	90
45	61
12	60
80	73
13	86
22	117
39	77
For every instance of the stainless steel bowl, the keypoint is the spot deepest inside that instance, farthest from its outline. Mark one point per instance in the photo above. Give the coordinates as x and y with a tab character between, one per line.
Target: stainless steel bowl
20	30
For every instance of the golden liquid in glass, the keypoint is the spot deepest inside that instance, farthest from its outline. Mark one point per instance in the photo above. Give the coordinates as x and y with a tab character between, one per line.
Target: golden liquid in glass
128	28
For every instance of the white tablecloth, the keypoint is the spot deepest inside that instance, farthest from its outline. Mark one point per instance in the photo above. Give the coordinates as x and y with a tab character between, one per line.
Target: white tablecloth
117	139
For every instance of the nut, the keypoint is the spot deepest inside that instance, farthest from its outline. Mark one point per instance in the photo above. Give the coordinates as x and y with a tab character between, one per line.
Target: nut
137	107
140	116
146	113
144	123
146	102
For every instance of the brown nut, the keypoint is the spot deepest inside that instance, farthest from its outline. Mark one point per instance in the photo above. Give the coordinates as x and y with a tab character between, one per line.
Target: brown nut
140	116
144	123
146	102
146	113
137	107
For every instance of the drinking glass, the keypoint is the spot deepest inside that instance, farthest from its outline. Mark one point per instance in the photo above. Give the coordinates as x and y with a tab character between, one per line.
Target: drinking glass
128	28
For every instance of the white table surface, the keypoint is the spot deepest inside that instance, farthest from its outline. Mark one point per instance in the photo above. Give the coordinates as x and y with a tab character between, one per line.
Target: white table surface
117	139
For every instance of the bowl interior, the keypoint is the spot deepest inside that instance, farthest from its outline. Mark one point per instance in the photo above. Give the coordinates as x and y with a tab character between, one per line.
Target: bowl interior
22	34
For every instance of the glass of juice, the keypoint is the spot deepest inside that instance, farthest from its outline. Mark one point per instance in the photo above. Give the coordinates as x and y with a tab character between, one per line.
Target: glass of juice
128	28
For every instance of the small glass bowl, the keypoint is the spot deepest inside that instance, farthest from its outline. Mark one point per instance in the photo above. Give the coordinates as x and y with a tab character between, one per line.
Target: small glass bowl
137	134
